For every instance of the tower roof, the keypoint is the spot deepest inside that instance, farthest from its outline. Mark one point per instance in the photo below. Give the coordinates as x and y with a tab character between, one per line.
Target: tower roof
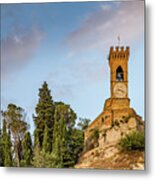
119	52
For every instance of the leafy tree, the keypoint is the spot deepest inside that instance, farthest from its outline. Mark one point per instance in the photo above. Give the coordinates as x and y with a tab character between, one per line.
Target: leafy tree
44	115
95	133
83	123
7	151
56	152
64	122
15	119
92	141
133	141
27	150
2	143
46	140
6	146
76	144
1	152
41	159
38	159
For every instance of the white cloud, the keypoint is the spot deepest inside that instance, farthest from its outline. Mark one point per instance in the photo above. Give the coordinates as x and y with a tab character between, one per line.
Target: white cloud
18	48
101	28
106	7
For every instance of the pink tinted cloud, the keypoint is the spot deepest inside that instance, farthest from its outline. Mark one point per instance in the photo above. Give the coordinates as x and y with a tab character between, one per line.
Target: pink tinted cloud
100	29
18	48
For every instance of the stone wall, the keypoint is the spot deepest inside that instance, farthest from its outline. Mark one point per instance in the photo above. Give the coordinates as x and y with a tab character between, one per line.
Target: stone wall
113	125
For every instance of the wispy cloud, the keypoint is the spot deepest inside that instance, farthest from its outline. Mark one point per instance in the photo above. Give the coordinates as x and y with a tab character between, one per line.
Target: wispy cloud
17	49
101	28
65	81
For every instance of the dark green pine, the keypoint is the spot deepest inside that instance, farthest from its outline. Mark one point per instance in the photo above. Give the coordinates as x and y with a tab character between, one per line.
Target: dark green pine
27	150
44	115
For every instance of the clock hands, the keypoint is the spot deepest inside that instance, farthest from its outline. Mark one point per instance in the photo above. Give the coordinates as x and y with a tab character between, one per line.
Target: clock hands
121	90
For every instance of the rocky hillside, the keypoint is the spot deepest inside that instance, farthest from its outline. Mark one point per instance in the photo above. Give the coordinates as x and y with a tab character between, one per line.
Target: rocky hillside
110	157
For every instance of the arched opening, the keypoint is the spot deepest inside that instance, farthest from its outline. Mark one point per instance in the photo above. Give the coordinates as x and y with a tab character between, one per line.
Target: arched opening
119	74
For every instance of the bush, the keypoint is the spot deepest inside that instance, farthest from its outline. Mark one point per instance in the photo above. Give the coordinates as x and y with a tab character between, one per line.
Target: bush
133	141
95	134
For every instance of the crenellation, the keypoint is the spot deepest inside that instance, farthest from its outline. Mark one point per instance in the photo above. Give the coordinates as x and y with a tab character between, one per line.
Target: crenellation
117	118
120	53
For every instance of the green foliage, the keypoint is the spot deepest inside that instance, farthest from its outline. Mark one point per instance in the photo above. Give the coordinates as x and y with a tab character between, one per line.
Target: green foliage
2	144
27	150
83	123
63	124
95	133
38	160
46	140
76	144
44	115
92	141
1	152
15	120
133	141
6	145
7	151
41	159
57	142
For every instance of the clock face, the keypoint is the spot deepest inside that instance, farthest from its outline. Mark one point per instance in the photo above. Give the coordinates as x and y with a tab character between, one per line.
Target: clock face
120	90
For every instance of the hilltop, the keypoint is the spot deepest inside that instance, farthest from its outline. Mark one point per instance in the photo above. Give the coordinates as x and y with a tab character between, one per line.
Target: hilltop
111	157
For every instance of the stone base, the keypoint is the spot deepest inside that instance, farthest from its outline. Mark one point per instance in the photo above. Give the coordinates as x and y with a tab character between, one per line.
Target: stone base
116	103
114	122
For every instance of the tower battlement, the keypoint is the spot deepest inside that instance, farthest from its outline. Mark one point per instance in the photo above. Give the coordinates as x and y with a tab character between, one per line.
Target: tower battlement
119	49
119	52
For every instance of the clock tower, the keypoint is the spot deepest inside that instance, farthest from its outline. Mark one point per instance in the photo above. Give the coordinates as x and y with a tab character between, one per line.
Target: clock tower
117	118
118	62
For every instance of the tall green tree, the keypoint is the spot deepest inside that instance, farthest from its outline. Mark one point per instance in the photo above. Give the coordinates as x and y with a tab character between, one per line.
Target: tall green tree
27	150
6	146
46	141
8	151
83	123
76	144
44	115
41	159
64	122
15	119
1	152
56	151
38	159
3	141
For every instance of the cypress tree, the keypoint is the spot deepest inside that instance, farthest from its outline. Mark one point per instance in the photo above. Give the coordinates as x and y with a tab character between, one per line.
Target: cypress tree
65	149
8	153
2	143
46	140
15	117
27	150
64	121
1	152
44	115
56	152
76	143
38	158
6	149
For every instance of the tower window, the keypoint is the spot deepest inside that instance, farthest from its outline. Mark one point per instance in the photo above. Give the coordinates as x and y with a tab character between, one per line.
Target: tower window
119	74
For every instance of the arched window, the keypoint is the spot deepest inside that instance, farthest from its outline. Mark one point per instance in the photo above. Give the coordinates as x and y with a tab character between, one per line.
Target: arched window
119	74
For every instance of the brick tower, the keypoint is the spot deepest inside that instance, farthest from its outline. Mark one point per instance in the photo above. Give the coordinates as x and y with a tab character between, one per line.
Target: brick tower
118	62
117	118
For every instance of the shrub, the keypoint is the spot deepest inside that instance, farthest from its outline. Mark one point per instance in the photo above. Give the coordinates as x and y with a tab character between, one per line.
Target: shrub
92	141
117	122
133	141
95	134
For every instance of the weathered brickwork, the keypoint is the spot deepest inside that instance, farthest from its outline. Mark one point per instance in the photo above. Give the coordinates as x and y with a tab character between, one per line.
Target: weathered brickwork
117	118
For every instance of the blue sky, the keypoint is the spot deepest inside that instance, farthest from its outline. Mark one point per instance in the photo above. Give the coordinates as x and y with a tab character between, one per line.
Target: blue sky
67	45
